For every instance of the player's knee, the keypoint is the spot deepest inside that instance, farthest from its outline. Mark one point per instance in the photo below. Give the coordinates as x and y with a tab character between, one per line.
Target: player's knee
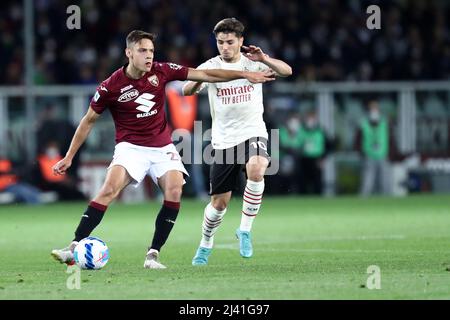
258	161
219	204
173	193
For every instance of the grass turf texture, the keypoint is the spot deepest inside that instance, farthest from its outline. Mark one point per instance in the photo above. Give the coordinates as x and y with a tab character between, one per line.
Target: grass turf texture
305	248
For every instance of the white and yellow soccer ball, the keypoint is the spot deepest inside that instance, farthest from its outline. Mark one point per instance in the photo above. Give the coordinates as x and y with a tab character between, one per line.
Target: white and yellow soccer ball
91	253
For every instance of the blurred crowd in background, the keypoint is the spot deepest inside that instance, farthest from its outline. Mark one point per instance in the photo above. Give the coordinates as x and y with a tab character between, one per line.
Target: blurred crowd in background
324	40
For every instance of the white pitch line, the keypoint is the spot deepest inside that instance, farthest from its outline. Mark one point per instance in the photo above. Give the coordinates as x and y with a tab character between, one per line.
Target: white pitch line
338	238
358	238
313	250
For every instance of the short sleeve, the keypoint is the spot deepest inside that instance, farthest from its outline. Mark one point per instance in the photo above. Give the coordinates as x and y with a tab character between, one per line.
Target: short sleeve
175	71
206	65
261	67
99	101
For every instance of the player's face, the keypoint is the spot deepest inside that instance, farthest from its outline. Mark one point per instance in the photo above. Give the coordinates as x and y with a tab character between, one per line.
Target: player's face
229	46
141	55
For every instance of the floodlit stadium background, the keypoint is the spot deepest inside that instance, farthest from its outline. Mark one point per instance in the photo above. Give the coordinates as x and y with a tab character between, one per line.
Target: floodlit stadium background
51	72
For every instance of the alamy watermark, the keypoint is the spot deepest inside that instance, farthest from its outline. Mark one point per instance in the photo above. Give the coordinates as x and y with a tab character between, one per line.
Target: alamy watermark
193	149
74	280
374	20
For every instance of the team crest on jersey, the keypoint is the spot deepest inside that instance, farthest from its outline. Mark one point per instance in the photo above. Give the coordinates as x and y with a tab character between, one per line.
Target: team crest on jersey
174	66
129	95
153	80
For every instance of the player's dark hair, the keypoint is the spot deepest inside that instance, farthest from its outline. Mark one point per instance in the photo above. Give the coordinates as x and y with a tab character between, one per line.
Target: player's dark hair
137	35
229	25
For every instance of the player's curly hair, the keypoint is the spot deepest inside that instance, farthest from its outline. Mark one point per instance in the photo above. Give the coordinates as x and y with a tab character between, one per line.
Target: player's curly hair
137	35
229	25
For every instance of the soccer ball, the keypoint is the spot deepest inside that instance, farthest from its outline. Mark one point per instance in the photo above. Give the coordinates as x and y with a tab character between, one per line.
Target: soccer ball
91	253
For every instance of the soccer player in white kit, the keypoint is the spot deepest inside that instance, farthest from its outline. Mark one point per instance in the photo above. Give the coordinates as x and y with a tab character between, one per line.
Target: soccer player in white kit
238	130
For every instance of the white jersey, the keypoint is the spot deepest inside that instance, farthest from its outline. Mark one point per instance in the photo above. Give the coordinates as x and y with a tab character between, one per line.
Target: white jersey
236	106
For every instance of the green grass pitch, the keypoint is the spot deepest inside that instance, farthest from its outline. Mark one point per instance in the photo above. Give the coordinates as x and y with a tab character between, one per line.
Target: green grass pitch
304	248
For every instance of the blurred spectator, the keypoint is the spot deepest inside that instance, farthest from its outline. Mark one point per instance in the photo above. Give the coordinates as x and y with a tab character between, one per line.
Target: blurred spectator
373	141
315	147
11	43
182	112
325	40
64	185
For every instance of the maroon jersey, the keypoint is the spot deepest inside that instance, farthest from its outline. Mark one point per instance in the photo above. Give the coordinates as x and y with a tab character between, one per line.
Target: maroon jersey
137	106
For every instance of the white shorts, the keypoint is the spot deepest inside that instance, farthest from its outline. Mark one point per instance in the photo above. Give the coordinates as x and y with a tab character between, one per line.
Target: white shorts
141	161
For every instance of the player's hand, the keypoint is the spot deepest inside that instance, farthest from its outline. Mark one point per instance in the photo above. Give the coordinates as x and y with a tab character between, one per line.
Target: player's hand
254	53
261	77
61	166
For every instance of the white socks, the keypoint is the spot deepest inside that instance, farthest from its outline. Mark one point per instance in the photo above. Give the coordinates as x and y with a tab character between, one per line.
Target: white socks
211	222
252	201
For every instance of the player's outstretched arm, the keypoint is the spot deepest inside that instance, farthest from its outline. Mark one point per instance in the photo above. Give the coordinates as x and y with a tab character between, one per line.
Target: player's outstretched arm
219	75
78	139
191	87
254	53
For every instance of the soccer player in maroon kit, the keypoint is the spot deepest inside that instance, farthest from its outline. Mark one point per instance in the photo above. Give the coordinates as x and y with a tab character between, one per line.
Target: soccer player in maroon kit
134	94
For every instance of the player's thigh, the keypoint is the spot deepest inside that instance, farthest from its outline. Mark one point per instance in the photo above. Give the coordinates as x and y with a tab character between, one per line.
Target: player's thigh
256	166
171	183
117	178
135	159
